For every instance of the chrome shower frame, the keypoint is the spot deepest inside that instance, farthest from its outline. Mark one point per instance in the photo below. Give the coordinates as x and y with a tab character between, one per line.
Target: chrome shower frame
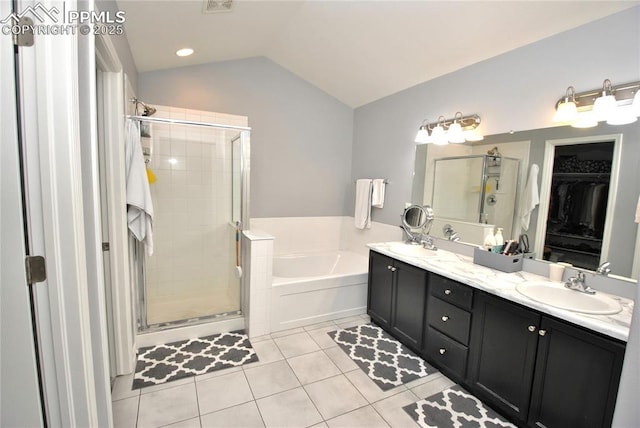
138	256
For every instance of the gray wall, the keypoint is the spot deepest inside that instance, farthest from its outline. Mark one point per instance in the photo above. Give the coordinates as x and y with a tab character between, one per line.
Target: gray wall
300	139
121	45
513	91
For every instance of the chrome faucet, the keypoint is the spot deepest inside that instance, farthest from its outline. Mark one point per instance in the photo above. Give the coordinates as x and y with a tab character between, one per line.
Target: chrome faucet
577	283
427	242
604	269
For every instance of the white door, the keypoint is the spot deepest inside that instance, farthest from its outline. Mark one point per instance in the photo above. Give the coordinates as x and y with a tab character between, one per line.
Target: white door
20	401
56	118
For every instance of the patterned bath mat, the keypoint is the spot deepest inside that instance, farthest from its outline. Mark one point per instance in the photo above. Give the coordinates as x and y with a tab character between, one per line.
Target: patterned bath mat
385	360
454	407
177	360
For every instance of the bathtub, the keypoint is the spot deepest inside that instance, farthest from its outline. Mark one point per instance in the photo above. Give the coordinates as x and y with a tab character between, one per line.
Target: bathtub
316	287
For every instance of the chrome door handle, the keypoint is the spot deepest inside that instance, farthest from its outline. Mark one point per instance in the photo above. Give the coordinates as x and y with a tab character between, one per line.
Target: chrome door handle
542	332
532	328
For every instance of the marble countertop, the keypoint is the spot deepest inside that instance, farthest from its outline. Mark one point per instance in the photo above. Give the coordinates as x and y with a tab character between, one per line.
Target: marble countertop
461	268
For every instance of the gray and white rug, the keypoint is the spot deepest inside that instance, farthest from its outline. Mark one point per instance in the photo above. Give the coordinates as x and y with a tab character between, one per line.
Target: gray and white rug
385	360
177	360
455	408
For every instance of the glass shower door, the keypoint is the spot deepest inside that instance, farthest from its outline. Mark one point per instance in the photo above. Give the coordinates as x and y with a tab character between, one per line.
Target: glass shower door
191	276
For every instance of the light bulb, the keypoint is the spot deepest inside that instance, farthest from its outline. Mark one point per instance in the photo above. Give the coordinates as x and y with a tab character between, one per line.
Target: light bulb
423	135
585	120
605	105
622	116
566	112
455	134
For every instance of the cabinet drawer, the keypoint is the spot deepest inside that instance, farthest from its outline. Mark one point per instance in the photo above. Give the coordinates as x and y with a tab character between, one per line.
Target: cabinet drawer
447	352
449	319
451	291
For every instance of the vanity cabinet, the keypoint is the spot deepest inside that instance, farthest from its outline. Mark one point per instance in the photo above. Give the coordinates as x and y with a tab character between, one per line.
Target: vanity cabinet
448	325
540	371
396	298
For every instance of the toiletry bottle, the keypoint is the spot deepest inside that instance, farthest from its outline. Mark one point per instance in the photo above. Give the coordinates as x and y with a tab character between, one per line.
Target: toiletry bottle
499	238
489	241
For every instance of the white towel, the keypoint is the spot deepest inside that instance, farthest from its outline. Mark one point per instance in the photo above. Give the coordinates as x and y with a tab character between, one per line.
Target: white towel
363	204
531	197
139	204
377	194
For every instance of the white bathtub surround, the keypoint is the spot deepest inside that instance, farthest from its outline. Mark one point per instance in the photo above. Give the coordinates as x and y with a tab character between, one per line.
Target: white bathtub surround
316	287
257	260
327	233
322	265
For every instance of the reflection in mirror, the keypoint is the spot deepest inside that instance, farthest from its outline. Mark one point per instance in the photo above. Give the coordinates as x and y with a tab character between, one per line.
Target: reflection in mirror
477	188
529	148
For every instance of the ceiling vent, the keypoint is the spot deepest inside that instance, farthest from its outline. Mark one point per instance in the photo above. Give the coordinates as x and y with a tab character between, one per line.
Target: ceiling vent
217	6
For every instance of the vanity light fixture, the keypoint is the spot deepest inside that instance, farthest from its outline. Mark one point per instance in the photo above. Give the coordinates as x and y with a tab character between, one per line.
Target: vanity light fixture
604	107
617	105
567	110
456	130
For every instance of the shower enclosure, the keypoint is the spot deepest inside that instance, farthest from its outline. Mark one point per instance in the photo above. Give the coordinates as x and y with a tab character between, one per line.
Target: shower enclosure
199	187
477	189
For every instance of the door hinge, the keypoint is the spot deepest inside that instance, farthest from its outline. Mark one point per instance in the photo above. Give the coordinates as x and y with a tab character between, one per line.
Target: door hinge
24	37
105	246
35	268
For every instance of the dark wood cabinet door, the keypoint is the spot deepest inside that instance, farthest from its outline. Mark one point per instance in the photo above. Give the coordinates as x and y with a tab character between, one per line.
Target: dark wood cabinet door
409	305
380	296
576	377
502	354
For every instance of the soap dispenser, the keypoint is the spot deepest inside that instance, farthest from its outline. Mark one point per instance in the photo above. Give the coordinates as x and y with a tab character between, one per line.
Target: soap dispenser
499	238
489	241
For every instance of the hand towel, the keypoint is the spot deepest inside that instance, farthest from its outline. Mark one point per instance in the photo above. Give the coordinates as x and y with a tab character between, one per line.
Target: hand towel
139	204
530	198
363	204
377	194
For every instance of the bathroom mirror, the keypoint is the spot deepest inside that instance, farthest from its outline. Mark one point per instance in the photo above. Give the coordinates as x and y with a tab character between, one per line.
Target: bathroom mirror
414	217
622	241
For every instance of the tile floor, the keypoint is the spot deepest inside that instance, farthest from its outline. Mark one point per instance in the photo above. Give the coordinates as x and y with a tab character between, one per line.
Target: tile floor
302	380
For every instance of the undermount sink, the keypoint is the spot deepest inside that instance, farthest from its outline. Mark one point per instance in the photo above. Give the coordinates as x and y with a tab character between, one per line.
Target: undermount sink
555	294
412	250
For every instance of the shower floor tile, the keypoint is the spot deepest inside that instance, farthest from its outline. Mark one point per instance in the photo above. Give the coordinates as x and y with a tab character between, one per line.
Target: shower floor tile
170	308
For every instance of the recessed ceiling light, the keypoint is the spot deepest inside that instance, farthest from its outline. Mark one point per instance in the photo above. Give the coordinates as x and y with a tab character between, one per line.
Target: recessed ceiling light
184	52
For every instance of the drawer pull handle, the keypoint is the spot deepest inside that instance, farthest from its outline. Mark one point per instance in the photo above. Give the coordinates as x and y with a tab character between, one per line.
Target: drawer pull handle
532	328
542	332
445	318
442	351
447	291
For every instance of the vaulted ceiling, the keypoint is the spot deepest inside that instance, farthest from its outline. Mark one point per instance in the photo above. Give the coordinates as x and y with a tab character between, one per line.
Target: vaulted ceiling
357	51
